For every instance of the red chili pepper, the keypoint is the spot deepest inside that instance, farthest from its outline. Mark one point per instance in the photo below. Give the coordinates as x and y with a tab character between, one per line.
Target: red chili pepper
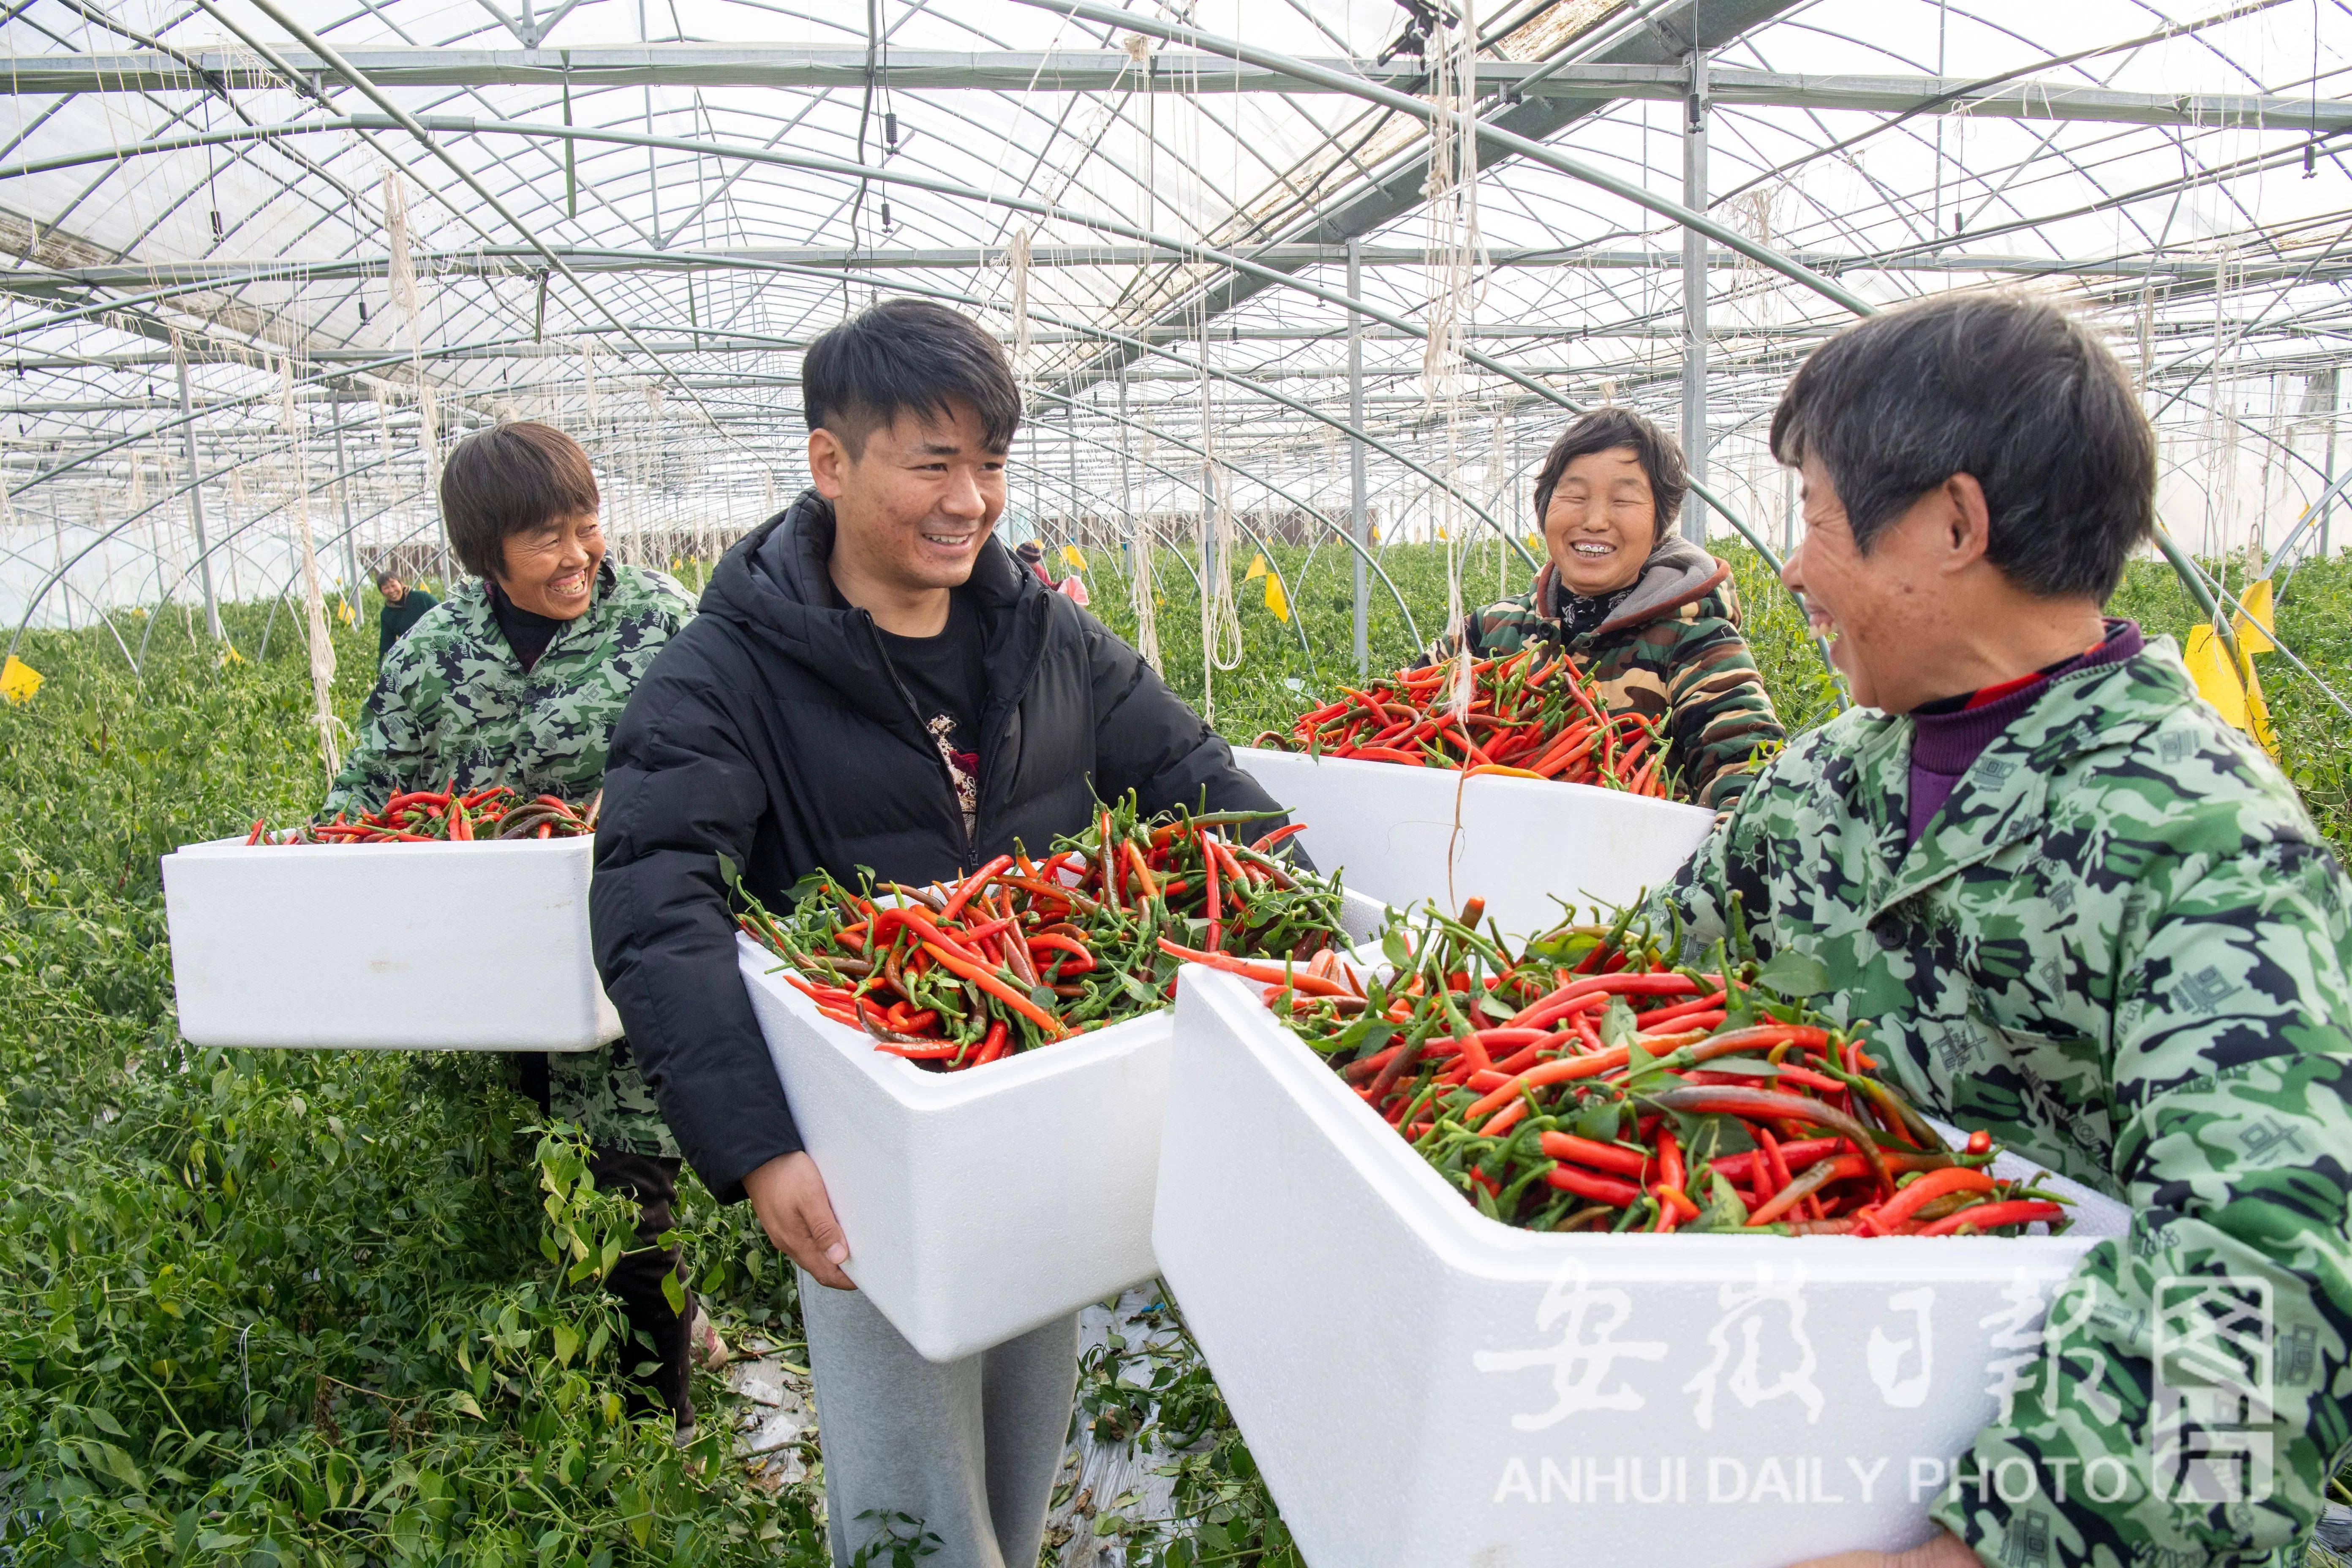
972	884
1054	942
989	981
1995	1216
1600	1156
1600	1189
1908	1199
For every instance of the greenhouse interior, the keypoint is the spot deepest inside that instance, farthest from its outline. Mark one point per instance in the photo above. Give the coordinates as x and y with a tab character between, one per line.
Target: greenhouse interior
1297	300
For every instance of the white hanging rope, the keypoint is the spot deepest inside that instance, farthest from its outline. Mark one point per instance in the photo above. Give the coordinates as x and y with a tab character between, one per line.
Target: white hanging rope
1221	619
1454	257
314	603
1498	476
1017	263
400	281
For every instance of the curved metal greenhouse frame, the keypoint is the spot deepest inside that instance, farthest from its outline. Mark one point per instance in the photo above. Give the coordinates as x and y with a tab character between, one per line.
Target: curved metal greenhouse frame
1208	239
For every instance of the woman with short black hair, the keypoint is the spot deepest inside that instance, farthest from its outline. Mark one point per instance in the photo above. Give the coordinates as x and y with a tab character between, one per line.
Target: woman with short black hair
517	680
1652	617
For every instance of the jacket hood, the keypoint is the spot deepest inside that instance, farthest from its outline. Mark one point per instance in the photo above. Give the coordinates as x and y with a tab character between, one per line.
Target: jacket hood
1678	576
774	587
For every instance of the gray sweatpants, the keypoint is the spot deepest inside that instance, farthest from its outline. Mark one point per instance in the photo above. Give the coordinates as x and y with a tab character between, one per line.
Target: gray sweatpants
969	1448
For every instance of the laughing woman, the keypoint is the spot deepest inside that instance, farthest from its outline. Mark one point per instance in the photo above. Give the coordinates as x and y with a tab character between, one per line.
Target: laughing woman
517	680
1652	617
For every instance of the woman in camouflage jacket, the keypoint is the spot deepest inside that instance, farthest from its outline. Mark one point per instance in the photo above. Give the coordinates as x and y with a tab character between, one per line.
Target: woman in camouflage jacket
1651	616
2068	904
518	679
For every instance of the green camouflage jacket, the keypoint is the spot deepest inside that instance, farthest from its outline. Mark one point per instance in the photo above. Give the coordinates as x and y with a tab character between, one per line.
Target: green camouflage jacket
1672	646
452	700
2122	947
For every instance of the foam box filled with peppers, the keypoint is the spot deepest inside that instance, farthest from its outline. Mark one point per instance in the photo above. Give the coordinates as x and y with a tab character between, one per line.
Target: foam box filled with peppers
987	1187
1530	791
351	941
1406	835
1422	1383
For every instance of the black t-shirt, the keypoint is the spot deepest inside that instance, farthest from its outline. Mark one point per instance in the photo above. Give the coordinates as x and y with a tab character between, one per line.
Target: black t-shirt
945	676
527	632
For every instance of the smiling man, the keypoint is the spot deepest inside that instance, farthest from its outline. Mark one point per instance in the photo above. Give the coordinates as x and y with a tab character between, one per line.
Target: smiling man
874	683
2066	903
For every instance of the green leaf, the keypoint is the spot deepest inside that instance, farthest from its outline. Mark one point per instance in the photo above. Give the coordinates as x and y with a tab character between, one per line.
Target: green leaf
1395	949
567	1340
1744	1066
1723	1209
115	1462
1794	974
675	1294
1599	1121
1617	1026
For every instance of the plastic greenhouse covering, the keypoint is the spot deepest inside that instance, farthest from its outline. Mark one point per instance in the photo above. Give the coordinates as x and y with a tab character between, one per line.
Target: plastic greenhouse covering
266	261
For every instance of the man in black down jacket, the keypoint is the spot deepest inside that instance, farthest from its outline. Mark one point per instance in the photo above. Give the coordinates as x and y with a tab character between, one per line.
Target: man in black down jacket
872	681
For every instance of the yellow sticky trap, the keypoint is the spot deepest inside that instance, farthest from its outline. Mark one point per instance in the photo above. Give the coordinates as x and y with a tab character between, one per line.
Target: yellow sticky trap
1257	568
1535	544
2233	688
1276	599
230	655
18	680
343	611
2255	627
2217	679
1074	558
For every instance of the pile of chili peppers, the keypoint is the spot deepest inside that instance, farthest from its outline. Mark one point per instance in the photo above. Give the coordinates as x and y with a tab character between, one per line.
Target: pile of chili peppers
1527	717
1023	953
446	816
1582	1083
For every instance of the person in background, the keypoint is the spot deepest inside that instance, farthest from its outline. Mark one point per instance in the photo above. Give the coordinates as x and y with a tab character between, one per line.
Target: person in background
1653	618
874	685
518	680
403	606
1032	554
2068	904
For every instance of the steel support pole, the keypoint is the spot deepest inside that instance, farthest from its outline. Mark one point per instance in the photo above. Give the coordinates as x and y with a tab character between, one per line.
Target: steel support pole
196	506
2328	500
1127	482
1357	496
1695	197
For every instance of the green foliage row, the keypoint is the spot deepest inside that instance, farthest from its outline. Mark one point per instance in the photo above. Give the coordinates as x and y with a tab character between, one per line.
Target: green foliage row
279	1308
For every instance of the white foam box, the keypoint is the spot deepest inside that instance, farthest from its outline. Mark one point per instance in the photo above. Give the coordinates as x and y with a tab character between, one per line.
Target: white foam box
468	947
1514	842
979	1205
1427	1388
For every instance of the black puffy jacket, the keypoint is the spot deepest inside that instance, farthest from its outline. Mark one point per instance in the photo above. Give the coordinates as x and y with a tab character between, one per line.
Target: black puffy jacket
772	730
